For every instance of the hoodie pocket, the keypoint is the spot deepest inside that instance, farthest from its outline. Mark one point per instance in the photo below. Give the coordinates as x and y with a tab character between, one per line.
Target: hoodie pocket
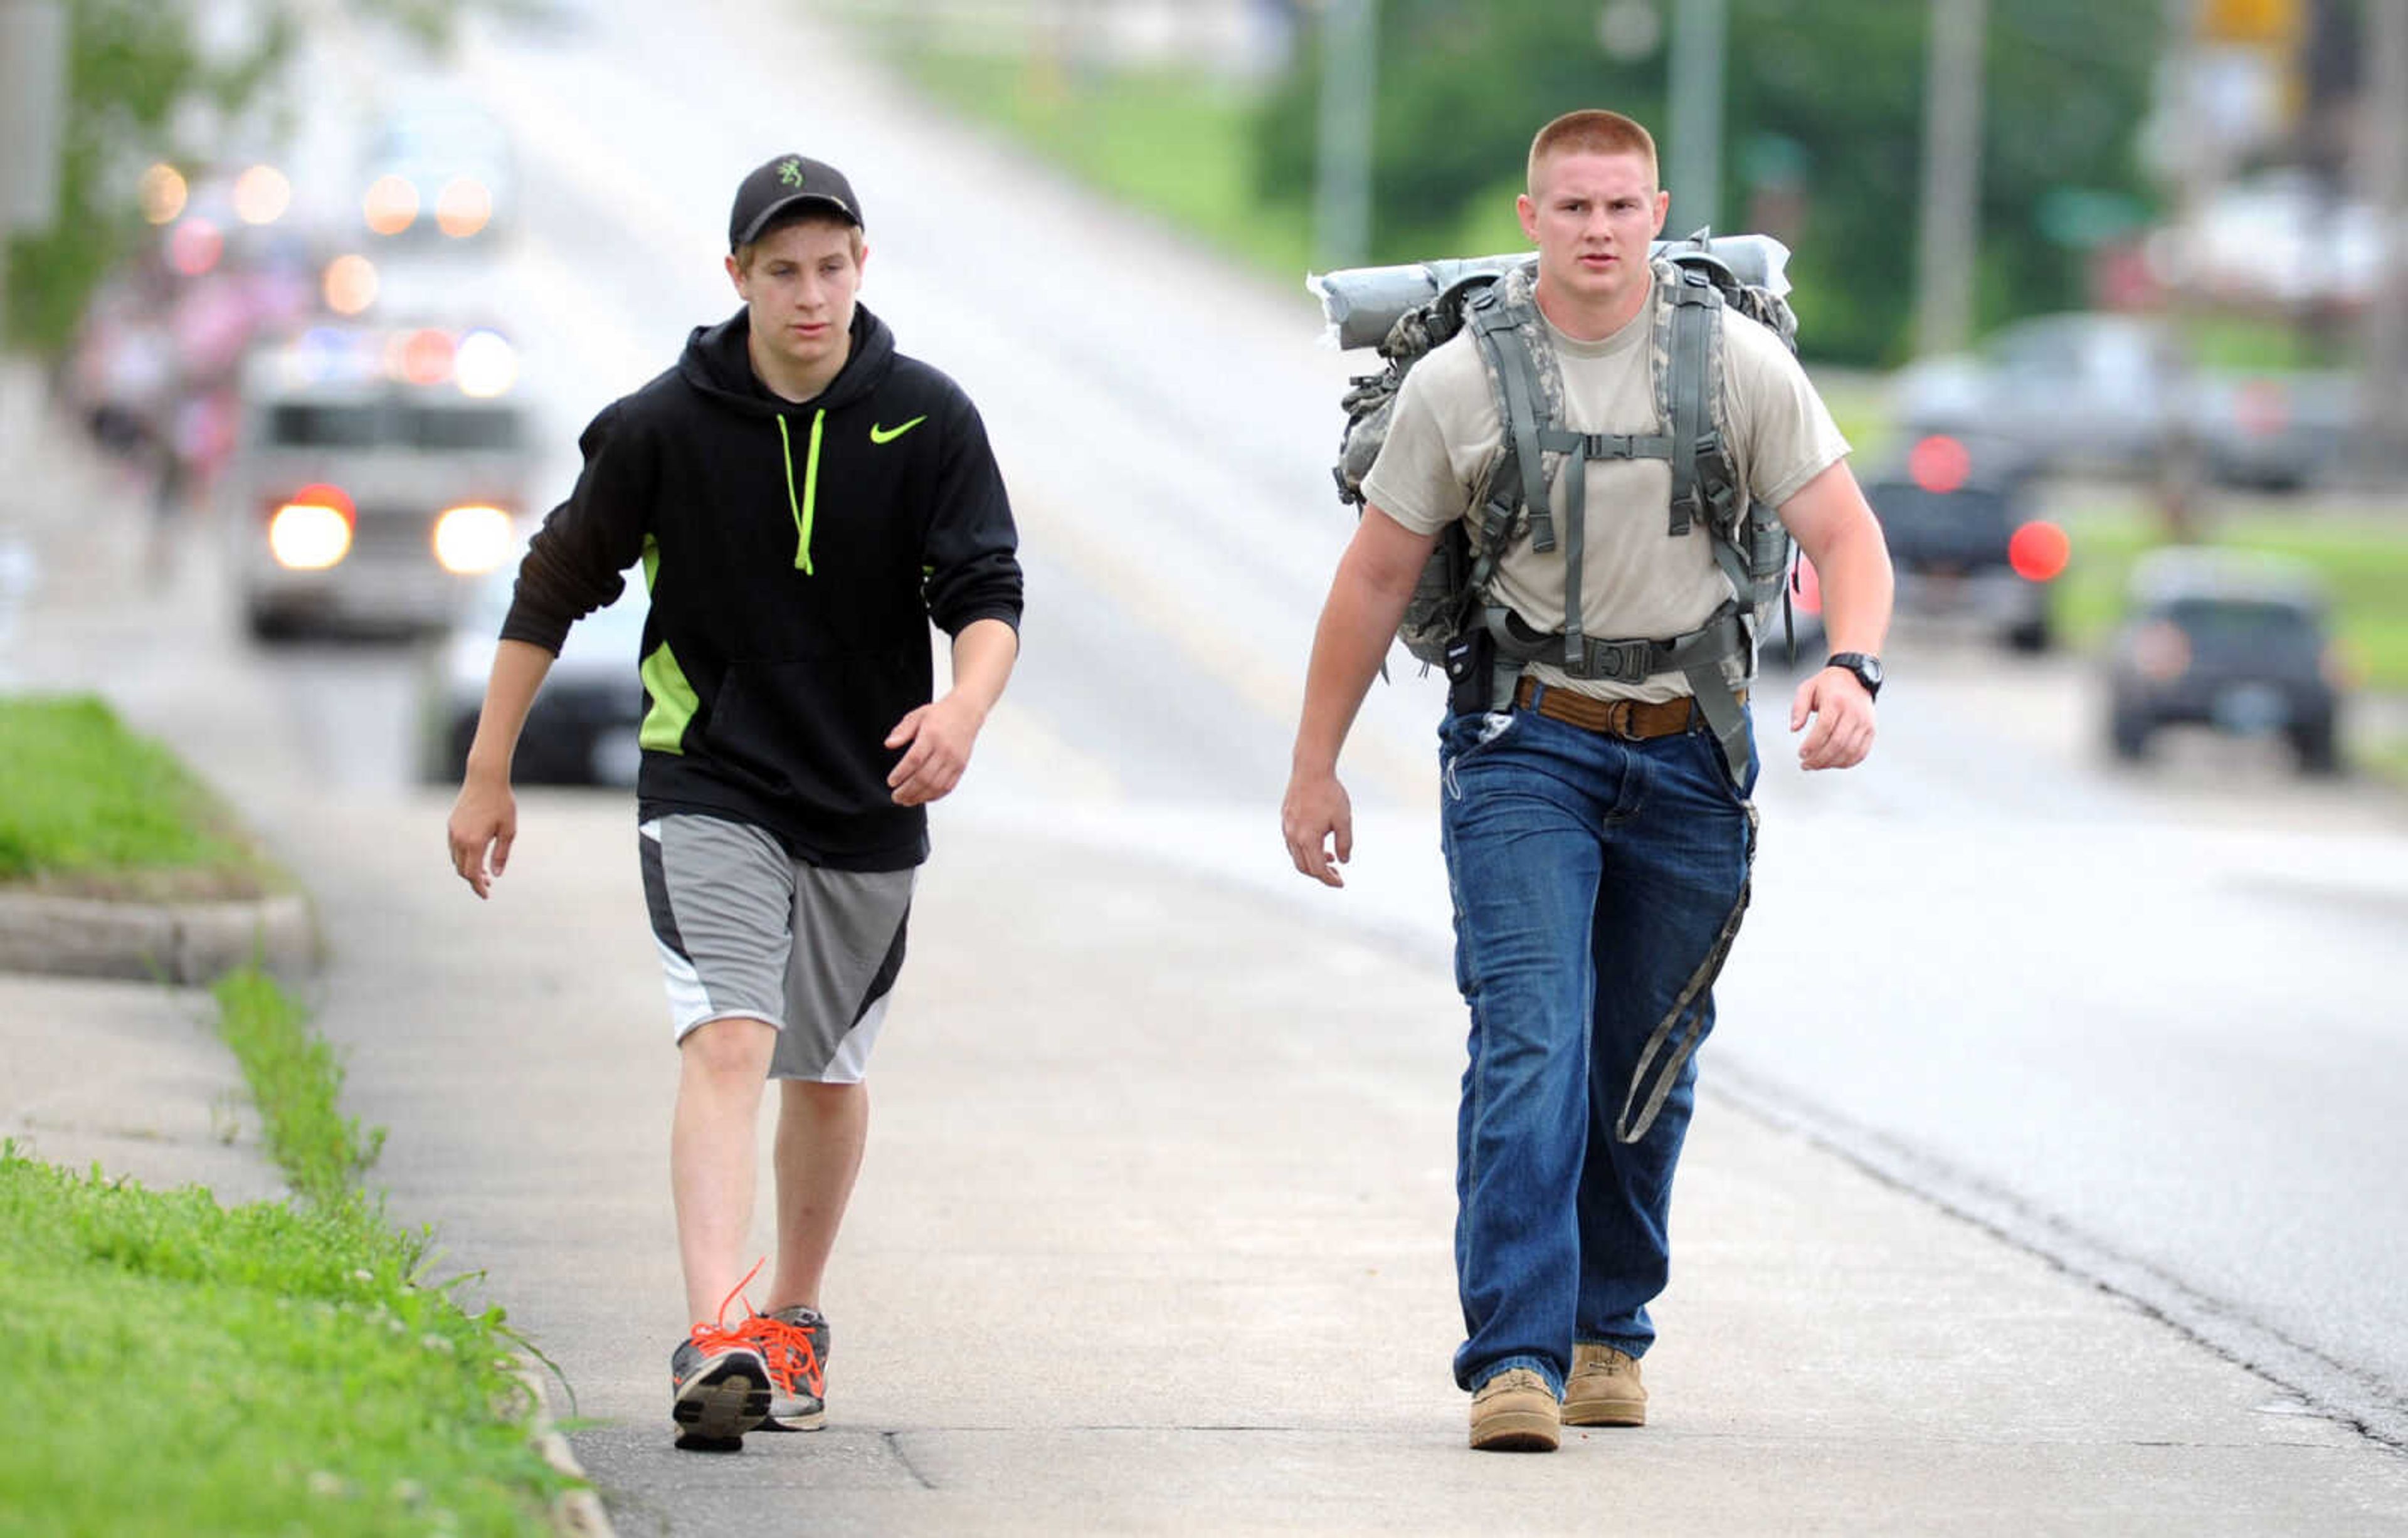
812	730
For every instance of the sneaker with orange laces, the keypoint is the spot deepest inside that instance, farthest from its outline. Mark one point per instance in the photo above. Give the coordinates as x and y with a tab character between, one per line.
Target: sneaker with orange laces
795	1342
719	1384
720	1390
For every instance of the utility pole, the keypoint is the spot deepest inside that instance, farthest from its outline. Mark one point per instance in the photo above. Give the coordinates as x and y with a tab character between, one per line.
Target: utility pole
2385	412
1949	240
1698	27
1350	30
33	109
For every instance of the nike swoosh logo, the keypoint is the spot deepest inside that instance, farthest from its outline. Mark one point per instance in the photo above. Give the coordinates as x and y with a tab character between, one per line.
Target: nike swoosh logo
888	435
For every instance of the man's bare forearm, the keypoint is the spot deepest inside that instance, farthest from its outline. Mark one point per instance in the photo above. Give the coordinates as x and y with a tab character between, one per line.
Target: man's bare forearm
518	670
983	655
1857	585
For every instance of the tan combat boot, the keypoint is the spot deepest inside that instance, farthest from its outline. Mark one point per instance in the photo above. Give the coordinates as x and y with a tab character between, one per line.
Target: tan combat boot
1604	1388
1515	1412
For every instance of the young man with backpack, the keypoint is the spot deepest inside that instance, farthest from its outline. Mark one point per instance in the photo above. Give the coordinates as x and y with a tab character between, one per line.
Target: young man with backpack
1601	428
804	501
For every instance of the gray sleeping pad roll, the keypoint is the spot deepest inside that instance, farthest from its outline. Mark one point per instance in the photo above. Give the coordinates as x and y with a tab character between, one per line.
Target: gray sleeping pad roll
1362	303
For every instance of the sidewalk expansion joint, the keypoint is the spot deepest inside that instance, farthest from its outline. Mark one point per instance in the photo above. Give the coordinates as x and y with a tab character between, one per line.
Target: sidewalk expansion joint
894	1440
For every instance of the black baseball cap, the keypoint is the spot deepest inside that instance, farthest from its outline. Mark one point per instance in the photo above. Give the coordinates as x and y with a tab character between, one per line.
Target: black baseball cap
782	185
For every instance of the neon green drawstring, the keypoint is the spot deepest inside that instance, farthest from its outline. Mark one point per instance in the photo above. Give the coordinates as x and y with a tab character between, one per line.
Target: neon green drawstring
804	509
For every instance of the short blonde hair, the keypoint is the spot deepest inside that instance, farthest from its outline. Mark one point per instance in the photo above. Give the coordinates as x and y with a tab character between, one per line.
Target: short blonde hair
1592	131
805	215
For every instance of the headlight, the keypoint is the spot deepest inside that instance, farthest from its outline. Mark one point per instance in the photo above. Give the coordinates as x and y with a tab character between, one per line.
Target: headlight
473	539
163	192
462	208
390	206
260	195
312	532
485	364
350	283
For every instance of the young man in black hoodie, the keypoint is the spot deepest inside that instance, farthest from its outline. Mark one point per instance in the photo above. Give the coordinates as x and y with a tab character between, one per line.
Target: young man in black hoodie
804	500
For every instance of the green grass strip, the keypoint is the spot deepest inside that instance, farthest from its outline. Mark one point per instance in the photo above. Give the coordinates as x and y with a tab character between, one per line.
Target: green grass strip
177	1366
282	1367
297	1084
1175	143
93	805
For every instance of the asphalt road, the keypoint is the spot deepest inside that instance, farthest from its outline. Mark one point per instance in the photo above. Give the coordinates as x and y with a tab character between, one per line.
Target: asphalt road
2144	1024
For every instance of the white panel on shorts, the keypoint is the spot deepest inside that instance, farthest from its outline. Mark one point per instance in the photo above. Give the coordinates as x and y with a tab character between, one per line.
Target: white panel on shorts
850	1063
744	929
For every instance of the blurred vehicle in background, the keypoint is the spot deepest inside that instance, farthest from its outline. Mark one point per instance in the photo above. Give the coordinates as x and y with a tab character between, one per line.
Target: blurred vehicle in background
2119	394
378	471
2222	639
582	727
437	171
1967	548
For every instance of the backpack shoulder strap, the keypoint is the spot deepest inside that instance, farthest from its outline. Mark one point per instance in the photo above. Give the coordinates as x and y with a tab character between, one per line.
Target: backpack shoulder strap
1697	316
1495	328
1704	485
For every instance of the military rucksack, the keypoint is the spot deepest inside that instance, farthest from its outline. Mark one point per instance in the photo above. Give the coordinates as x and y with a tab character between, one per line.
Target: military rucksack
1700	278
1408	311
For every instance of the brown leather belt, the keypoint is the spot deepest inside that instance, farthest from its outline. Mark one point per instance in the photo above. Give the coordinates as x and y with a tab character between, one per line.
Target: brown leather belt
1632	720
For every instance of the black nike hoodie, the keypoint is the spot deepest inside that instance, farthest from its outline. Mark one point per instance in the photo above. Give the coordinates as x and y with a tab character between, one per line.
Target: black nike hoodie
795	555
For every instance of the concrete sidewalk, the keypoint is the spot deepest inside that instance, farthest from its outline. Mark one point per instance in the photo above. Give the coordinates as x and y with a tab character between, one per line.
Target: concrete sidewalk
1154	1236
131	1077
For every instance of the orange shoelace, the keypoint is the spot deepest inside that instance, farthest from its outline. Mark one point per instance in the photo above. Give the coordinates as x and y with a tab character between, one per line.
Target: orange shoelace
788	1350
712	1334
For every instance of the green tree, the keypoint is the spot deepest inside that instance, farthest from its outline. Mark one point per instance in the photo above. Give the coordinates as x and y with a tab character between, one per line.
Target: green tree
1830	93
131	65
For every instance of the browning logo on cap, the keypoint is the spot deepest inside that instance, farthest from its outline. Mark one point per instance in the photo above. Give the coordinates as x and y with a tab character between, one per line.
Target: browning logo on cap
791	172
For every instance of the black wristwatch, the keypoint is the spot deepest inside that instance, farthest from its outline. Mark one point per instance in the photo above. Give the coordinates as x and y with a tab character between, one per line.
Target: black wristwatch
1864	665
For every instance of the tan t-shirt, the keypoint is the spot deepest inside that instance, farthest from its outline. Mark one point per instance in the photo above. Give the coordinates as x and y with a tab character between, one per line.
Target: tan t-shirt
1637	580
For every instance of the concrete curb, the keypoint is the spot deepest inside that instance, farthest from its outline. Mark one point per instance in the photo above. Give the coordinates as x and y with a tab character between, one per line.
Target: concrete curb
184	943
575	1512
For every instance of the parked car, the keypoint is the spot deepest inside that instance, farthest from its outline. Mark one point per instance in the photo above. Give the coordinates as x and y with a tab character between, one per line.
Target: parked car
377	472
1964	542
2117	393
2235	643
582	727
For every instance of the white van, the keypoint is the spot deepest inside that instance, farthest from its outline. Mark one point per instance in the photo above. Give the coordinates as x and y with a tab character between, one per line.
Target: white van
379	472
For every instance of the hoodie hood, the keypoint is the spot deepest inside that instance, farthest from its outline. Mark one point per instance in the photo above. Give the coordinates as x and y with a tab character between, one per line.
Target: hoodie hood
716	363
718	366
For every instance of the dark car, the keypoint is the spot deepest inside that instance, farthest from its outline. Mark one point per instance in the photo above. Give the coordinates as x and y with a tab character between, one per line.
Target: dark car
2238	644
1964	544
583	729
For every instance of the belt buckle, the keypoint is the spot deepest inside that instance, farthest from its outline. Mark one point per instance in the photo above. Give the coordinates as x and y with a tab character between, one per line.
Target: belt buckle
1617	721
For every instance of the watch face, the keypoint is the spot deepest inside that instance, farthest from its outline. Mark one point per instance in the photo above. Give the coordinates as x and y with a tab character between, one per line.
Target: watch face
1867	668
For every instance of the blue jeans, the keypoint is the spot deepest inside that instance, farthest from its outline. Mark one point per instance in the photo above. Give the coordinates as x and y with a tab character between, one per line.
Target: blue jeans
1591	878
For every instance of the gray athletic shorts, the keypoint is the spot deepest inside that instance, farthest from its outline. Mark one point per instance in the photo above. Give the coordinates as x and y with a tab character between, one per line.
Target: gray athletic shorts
745	928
